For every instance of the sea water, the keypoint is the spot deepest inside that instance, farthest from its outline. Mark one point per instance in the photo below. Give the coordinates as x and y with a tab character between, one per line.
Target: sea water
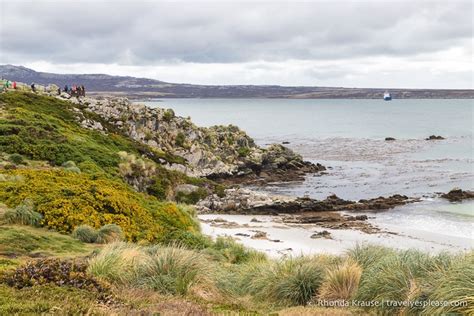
348	136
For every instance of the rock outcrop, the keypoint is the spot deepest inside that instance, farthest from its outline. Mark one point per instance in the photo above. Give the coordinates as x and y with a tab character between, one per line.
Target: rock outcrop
457	195
223	153
245	201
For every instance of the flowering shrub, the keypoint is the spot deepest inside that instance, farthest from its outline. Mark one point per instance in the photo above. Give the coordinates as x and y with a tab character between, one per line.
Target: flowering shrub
67	200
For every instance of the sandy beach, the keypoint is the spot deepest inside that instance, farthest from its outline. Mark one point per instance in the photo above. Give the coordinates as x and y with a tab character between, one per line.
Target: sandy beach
295	239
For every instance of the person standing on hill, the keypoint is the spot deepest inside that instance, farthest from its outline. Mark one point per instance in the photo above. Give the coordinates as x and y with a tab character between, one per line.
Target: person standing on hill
14	85
33	88
83	90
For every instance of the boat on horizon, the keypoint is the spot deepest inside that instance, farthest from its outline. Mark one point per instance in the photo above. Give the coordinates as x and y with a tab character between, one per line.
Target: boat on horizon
387	96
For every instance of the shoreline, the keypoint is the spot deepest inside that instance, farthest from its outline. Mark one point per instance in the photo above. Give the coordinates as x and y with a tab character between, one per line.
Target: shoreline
294	239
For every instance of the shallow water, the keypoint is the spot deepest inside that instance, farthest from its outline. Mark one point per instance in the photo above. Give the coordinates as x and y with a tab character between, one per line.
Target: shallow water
348	136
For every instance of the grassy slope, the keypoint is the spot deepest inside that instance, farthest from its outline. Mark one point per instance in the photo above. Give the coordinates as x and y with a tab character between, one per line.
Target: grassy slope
33	242
45	129
21	243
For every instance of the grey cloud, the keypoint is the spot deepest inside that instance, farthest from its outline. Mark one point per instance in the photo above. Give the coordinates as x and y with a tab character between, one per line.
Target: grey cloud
141	33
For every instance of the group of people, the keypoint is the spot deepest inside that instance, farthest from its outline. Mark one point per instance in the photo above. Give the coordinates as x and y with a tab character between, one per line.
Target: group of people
75	90
9	84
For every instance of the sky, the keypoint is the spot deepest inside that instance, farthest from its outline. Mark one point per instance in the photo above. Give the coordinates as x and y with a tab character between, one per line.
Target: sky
393	44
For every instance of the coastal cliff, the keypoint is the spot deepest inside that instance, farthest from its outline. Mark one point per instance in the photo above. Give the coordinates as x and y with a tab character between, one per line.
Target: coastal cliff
217	152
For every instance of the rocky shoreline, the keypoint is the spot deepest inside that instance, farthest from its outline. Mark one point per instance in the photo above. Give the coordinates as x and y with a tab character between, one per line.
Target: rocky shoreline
229	156
246	201
222	153
327	213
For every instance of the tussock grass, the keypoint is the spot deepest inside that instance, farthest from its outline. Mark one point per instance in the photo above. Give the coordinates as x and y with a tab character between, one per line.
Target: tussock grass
228	250
85	233
117	263
165	269
173	270
23	214
291	281
109	233
341	282
366	255
402	276
454	284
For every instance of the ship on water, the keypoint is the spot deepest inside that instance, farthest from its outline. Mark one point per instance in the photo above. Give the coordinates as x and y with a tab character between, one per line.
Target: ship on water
387	96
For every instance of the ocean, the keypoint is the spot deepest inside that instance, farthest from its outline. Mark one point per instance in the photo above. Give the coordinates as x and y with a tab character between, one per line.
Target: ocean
348	136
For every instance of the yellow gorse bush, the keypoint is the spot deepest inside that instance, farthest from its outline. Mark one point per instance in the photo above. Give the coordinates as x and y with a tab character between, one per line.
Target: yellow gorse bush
68	199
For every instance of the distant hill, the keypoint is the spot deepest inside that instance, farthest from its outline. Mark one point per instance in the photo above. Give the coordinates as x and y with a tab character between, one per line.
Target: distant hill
150	88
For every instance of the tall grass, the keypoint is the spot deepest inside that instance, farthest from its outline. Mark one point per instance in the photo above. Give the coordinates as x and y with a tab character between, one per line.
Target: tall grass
109	233
257	282
228	250
165	269
341	282
291	281
173	270
401	276
366	255
23	214
85	233
453	284
117	263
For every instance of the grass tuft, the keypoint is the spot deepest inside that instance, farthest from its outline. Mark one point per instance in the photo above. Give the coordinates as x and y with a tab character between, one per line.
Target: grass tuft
23	214
341	282
109	233
85	233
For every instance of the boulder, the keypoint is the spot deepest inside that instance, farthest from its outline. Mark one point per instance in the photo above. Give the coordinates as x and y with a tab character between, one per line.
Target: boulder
434	137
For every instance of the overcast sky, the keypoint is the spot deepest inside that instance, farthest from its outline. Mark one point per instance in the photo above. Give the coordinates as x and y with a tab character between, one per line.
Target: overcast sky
411	44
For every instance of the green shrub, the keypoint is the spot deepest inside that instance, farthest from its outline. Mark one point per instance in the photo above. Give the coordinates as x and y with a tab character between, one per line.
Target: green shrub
23	214
180	139
228	250
85	233
243	151
190	240
109	233
168	115
17	159
71	166
192	197
45	128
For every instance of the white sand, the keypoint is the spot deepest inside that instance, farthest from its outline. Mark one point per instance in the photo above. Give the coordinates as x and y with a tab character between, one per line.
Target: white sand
295	239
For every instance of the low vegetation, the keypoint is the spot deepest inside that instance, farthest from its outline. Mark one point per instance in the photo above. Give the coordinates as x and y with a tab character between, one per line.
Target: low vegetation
89	224
66	201
23	214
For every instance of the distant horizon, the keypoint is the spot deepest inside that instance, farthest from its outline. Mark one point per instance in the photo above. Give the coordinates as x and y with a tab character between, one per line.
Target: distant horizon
243	84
